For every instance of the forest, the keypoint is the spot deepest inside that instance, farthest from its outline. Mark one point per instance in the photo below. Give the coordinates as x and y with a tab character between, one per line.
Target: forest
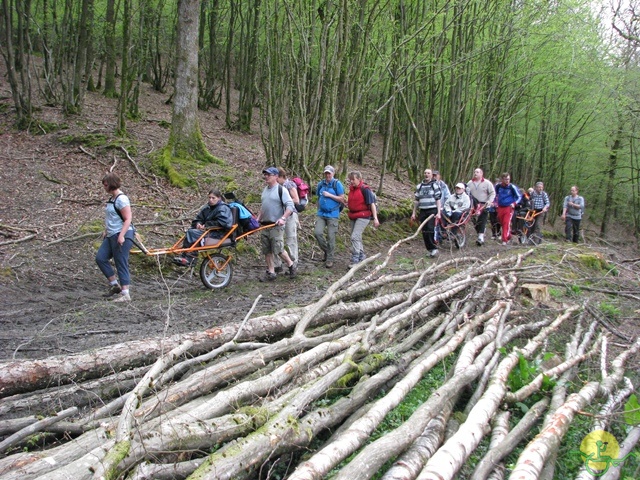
542	89
485	362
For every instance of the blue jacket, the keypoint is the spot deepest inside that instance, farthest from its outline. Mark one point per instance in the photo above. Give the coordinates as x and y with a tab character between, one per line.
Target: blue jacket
328	207
508	195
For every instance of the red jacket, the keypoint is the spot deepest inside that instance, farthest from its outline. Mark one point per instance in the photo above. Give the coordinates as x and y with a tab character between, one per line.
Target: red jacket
358	208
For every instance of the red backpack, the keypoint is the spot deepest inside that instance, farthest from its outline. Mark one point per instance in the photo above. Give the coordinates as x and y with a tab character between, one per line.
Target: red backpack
303	193
303	188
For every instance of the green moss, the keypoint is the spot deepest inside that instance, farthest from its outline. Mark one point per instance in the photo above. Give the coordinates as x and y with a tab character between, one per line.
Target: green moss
42	128
88	140
593	261
119	451
259	416
399	212
179	161
96	226
6	272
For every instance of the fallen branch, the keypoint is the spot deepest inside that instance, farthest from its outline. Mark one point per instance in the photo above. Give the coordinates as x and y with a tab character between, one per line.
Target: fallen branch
19	240
35	427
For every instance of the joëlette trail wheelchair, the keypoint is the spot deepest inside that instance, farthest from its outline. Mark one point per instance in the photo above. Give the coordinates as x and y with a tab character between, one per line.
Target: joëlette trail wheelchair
216	269
523	226
455	232
452	232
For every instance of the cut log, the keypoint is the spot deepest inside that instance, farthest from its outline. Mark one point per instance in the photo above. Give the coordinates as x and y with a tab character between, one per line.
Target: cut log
537	291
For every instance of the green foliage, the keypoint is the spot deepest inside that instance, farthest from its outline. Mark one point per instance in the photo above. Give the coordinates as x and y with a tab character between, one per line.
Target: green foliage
555	293
521	375
632	411
574	290
610	310
526	371
416	397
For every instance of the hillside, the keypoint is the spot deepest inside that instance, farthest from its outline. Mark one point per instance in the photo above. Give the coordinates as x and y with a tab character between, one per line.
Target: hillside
51	214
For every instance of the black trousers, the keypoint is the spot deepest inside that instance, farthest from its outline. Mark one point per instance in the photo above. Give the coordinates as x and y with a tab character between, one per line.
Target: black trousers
428	231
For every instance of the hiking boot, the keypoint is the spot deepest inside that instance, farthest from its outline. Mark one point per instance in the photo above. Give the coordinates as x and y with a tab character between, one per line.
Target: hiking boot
293	269
362	257
433	252
113	290
278	269
185	261
123	297
269	277
328	264
354	261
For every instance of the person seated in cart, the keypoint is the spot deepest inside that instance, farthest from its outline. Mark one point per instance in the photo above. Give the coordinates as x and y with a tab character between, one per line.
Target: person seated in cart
456	205
215	214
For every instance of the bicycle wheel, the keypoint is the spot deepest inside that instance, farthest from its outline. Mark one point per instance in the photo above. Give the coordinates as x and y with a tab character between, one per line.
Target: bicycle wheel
216	271
535	240
460	238
523	238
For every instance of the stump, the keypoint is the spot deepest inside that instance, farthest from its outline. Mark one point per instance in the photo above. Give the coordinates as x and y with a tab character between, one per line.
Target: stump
537	291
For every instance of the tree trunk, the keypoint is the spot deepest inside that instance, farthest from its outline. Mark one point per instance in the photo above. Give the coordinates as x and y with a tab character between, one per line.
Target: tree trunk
110	50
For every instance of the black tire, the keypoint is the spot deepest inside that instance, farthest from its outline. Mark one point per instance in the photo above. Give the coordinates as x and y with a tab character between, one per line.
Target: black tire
460	239
216	271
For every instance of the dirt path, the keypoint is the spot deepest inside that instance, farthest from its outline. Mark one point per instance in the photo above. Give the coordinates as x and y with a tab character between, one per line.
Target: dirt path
61	311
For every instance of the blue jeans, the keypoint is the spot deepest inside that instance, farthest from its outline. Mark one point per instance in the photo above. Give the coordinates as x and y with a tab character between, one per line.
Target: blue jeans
109	249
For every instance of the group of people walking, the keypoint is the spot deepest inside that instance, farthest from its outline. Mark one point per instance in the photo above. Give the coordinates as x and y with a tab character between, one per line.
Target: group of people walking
279	207
281	202
499	201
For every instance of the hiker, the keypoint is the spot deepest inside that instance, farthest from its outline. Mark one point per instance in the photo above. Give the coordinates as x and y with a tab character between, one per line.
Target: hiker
330	202
539	201
507	198
572	212
291	227
276	208
215	214
362	209
427	204
482	194
117	239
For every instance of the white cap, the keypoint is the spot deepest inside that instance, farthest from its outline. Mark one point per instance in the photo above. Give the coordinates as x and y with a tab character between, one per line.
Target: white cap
461	185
